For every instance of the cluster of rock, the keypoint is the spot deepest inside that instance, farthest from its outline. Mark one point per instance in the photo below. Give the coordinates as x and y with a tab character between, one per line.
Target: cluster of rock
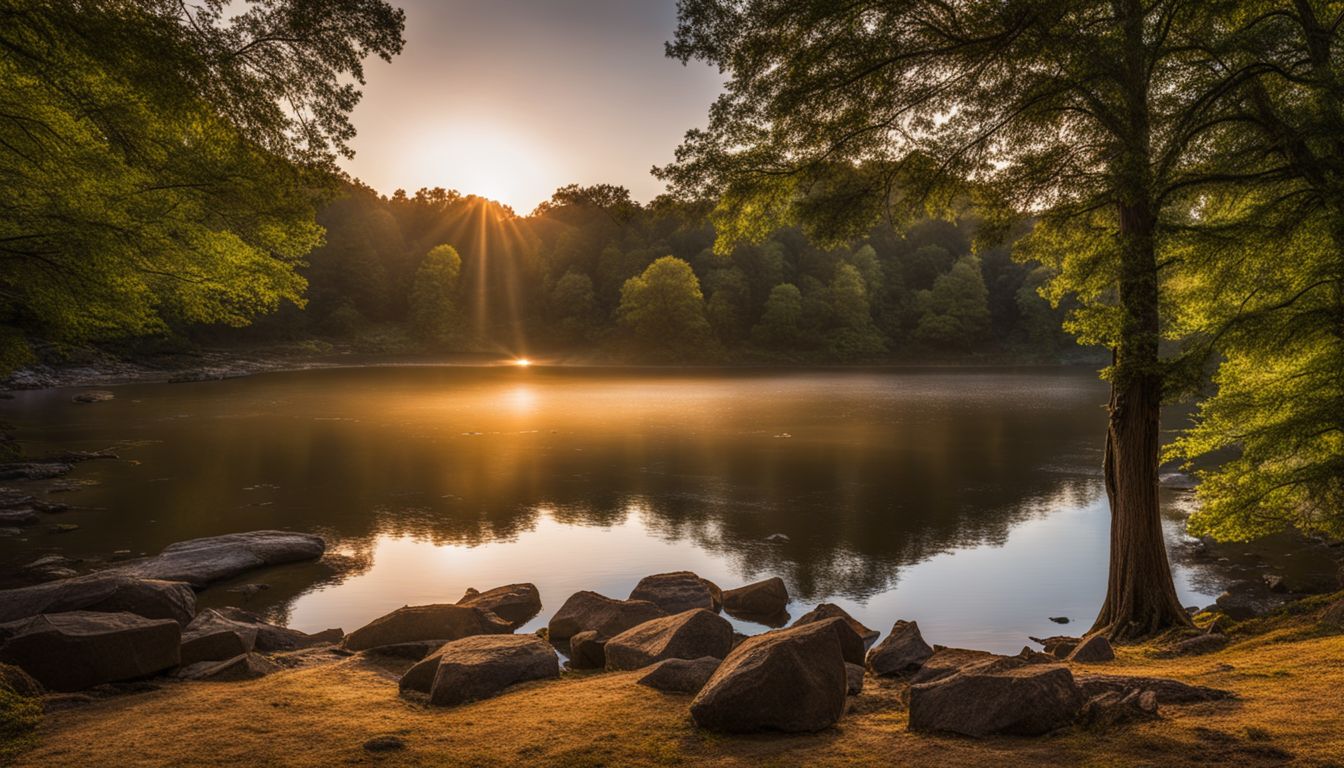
140	619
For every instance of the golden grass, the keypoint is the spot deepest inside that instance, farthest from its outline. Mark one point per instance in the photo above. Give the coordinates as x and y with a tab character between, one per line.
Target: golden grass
1291	710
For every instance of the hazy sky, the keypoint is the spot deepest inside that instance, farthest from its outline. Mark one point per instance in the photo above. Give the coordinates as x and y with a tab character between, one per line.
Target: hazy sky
512	98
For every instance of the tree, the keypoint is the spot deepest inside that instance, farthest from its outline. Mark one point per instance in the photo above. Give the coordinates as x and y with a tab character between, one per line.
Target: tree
436	314
779	325
1092	114
575	304
854	336
956	310
665	311
158	161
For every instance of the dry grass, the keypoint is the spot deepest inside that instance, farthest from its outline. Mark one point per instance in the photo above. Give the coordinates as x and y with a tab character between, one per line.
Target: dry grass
1291	683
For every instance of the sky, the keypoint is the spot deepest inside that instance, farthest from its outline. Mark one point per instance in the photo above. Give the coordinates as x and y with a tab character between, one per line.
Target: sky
511	99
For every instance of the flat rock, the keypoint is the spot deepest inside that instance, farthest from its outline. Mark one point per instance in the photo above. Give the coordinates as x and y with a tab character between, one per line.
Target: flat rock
200	562
93	396
246	666
413	651
272	637
514	603
1197	645
854	679
1000	696
604	615
830	611
1167	690
212	636
791	680
1109	709
676	592
18	517
902	650
587	651
480	667
946	662
1247	600
680	675
764	601
1059	646
80	649
690	634
426	622
104	593
1093	649
34	470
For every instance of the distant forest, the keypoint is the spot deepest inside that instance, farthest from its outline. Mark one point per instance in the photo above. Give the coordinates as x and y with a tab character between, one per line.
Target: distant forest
585	278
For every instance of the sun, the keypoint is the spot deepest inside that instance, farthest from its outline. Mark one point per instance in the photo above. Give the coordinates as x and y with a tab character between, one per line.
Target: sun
522	362
482	160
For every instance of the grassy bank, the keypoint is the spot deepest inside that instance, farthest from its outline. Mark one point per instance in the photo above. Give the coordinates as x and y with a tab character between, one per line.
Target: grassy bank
1288	674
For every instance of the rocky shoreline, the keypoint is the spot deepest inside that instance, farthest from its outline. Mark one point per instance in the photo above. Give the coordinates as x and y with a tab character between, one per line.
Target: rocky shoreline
136	624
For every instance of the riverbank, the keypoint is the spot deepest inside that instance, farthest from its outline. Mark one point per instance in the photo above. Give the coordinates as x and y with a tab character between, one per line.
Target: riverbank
1286	671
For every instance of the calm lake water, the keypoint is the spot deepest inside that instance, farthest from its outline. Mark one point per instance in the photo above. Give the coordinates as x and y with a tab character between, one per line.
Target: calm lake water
970	501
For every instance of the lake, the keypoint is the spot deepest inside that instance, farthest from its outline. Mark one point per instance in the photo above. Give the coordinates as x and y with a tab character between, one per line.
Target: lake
969	500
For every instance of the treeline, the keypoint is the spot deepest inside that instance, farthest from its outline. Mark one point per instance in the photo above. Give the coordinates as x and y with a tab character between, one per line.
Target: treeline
592	274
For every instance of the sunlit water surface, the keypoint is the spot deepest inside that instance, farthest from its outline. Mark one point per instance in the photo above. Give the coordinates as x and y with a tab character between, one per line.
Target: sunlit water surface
970	501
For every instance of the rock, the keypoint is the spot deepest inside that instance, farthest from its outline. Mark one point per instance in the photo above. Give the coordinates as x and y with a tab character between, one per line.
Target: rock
903	650
7	531
1031	656
93	396
687	635
272	638
479	667
1168	691
1111	708
829	611
675	592
426	622
997	696
420	677
1059	646
608	617
63	528
587	651
104	593
1274	582
777	538
384	744
416	651
1060	619
202	561
22	683
680	675
1199	644
1333	616
34	470
79	649
19	517
765	600
1093	649
946	662
211	636
246	666
853	679
514	603
1247	600
790	680
249	591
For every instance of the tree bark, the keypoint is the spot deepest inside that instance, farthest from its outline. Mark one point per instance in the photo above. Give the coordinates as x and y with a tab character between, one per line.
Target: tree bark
1140	594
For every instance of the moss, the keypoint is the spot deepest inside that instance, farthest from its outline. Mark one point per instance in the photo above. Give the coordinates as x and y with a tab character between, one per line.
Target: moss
19	718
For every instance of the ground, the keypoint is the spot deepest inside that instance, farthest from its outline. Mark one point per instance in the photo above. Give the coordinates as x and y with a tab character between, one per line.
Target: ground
1289	676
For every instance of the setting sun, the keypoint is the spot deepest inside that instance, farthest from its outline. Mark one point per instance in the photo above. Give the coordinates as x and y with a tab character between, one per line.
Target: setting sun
480	160
522	362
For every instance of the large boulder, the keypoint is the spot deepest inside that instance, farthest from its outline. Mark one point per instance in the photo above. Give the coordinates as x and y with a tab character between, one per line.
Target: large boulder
202	561
946	662
102	593
852	645
790	680
514	603
479	667
766	601
587	650
272	637
827	611
212	636
426	622
1093	649
680	675
420	677
605	616
901	651
687	635
677	592
80	649
245	666
1005	696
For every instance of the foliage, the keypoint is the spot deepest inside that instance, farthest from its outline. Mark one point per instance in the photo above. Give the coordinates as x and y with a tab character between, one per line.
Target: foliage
435	314
955	310
665	310
20	717
159	162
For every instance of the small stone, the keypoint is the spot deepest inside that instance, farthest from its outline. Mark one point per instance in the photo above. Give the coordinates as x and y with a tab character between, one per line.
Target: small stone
1060	619
384	744
853	679
63	527
1093	649
777	538
93	396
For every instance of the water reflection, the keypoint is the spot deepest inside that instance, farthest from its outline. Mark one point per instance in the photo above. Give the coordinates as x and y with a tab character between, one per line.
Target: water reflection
970	501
